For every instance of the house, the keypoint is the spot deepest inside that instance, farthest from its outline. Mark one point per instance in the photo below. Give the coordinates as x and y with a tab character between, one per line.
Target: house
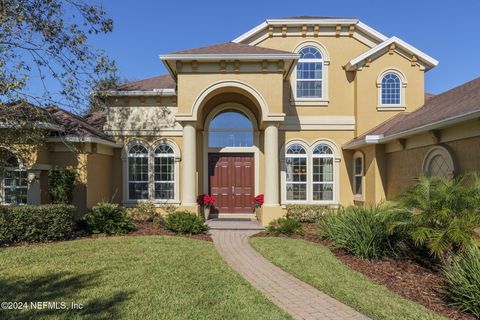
307	110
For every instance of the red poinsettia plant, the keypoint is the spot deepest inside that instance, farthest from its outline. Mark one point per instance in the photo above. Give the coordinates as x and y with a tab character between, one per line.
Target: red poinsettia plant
258	201
206	200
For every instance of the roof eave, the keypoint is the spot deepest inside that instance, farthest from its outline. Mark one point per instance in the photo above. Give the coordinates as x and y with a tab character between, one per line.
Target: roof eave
431	126
165	92
79	139
215	57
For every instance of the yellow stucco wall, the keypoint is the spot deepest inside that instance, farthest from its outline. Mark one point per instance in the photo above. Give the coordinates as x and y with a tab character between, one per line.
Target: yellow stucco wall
99	178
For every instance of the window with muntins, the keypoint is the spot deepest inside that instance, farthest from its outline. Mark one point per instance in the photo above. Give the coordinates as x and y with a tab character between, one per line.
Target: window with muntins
310	73
164	172
296	173
322	173
391	89
230	129
138	172
358	176
14	183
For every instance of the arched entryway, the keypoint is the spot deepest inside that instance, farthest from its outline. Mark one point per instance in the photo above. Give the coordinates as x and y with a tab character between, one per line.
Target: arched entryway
231	158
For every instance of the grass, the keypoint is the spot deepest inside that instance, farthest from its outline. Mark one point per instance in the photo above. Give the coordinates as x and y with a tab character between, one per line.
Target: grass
317	266
150	277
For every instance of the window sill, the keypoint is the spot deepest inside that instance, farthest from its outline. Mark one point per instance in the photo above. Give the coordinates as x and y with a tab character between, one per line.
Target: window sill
157	203
391	108
309	102
358	198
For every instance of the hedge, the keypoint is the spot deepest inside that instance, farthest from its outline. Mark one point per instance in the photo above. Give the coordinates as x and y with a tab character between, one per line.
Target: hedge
307	212
35	223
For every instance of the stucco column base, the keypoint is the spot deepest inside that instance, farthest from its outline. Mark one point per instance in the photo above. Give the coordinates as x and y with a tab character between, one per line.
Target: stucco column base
270	213
194	208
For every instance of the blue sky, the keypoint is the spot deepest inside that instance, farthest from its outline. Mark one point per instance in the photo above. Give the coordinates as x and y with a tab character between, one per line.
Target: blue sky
143	29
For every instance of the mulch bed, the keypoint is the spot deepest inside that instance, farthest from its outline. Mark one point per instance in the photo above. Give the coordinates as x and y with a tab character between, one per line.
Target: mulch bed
151	228
405	277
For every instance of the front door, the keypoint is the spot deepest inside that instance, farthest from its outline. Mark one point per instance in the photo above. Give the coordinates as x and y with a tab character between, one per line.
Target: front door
231	181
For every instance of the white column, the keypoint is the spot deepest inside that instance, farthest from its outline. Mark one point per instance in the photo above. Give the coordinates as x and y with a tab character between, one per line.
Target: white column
189	172
272	189
34	190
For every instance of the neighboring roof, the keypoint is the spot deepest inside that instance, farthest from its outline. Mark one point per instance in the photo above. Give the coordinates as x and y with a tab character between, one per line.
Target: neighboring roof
74	125
24	113
150	84
96	119
375	51
231	48
453	106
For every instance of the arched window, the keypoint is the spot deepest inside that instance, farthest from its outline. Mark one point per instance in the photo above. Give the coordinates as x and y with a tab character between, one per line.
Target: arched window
164	172
439	162
230	129
310	73
322	170
138	172
14	183
296	173
391	87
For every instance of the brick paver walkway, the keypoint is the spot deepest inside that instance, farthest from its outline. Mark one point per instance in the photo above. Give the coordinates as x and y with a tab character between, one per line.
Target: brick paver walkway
299	299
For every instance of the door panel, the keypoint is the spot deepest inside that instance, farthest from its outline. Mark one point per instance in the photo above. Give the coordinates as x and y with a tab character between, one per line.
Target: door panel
231	181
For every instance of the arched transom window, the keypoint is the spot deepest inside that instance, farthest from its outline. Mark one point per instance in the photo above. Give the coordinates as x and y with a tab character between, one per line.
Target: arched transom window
138	172
296	173
230	129
14	183
164	172
391	89
310	73
439	162
322	179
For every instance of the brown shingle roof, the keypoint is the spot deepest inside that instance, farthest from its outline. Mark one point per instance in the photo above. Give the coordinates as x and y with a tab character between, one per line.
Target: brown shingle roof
428	96
453	103
231	48
74	125
312	18
160	82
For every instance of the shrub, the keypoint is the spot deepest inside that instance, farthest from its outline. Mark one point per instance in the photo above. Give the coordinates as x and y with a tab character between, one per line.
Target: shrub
285	226
462	285
143	212
108	218
306	212
61	184
35	223
361	230
185	222
440	214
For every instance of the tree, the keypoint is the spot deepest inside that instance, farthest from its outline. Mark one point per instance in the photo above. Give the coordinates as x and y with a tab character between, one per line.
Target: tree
42	39
98	97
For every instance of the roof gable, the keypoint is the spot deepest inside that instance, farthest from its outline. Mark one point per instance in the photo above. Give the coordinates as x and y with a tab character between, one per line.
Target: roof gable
384	47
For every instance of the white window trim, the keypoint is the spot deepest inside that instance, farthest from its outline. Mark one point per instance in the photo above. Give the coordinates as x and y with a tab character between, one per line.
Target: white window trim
151	174
4	188
309	148
444	153
328	156
307	166
391	107
361	196
163	155
322	101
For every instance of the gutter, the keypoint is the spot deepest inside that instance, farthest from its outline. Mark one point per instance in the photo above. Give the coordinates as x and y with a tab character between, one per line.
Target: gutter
77	139
154	92
380	139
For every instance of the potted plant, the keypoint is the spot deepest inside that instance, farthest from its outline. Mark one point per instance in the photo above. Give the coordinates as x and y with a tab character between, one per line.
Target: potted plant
257	204
206	202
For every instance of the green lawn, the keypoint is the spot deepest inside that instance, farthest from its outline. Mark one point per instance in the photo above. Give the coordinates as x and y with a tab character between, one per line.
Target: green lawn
317	266
129	278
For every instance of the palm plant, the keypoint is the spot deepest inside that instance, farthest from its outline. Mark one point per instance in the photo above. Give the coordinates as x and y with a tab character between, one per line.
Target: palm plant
440	214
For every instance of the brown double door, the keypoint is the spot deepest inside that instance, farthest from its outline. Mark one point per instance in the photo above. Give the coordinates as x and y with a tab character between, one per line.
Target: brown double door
231	181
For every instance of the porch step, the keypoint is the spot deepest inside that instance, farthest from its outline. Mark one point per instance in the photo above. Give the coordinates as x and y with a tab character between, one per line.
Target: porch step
234	224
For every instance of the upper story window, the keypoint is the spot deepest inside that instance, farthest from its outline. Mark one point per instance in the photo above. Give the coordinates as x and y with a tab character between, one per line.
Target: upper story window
230	129
391	89
310	74
138	172
14	183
